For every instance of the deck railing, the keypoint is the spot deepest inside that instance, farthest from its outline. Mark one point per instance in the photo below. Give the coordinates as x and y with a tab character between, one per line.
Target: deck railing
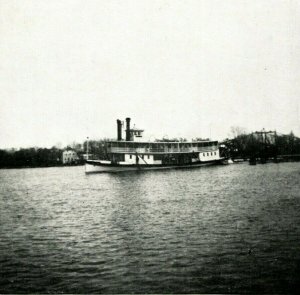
161	150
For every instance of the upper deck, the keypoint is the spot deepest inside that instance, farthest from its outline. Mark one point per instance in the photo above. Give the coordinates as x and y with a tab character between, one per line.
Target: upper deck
161	147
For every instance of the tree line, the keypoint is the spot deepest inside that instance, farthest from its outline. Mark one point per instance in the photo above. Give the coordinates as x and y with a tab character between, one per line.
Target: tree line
30	157
261	145
50	157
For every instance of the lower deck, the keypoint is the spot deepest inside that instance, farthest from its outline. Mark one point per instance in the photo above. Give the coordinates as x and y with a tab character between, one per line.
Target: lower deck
162	159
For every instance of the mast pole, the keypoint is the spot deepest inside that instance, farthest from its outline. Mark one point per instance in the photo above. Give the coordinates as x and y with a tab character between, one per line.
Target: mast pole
87	148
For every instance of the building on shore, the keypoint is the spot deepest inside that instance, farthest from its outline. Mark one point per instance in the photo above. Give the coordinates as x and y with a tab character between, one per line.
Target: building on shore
70	157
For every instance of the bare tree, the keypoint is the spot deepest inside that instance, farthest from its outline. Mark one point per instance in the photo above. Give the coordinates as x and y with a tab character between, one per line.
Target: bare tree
236	131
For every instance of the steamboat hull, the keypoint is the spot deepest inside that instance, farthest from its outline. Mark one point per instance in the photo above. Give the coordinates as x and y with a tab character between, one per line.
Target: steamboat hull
98	167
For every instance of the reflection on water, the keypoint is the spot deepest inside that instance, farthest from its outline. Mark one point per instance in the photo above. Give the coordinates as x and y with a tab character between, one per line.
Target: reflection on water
221	229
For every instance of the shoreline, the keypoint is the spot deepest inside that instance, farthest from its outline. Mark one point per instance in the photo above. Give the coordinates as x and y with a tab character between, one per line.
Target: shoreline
281	159
33	167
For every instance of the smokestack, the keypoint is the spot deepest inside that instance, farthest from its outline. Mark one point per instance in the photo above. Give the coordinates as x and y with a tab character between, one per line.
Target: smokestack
119	129
127	129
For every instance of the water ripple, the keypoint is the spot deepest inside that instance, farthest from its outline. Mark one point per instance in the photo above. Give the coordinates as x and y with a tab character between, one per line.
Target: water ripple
229	229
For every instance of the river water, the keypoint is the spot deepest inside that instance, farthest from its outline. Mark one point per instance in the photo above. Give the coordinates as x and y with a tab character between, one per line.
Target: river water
218	229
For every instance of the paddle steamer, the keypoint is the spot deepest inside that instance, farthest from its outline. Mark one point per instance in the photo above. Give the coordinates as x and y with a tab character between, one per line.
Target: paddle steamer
134	153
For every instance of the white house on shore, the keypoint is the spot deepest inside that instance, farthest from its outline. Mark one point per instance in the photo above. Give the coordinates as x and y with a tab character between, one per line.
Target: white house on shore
69	157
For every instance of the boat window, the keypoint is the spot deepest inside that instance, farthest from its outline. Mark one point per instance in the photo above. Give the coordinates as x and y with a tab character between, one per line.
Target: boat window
208	154
130	156
148	156
203	154
215	153
211	153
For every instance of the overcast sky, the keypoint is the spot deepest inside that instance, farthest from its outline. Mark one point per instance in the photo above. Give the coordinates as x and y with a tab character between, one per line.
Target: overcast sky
69	69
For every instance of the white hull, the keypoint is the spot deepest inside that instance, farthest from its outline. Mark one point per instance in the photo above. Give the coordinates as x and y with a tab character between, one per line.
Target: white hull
97	167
